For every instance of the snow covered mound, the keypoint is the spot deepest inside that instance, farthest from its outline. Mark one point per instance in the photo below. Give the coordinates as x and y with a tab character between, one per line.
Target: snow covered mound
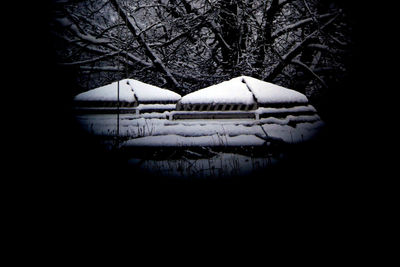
244	90
268	93
130	90
232	91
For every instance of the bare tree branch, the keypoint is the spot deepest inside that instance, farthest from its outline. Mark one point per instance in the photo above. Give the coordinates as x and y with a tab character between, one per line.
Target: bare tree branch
149	52
304	66
295	50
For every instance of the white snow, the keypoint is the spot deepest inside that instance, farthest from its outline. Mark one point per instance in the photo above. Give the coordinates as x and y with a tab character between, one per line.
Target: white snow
156	106
295	109
146	92
241	90
268	93
128	88
152	131
232	91
108	93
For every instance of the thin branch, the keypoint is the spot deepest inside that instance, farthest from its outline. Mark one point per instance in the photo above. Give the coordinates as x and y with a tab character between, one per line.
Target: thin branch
102	68
304	66
298	24
83	62
83	36
295	50
149	52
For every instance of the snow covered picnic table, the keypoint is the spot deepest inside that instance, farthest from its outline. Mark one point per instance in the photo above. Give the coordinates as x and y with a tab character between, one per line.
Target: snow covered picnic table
253	114
234	127
244	91
242	97
156	130
240	112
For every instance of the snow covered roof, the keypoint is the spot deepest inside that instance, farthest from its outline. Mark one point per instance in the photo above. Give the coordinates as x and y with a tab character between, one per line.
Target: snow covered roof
128	88
268	93
232	91
241	90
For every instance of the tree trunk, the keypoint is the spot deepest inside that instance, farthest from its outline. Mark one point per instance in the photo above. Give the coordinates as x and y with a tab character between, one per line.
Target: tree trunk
149	52
230	31
265	33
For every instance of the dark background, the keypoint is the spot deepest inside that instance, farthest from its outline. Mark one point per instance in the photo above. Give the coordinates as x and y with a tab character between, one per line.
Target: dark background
345	153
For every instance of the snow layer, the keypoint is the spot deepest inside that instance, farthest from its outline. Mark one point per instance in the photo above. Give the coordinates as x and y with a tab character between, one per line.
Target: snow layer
296	109
268	93
156	106
232	91
146	92
241	90
128	88
108	93
159	131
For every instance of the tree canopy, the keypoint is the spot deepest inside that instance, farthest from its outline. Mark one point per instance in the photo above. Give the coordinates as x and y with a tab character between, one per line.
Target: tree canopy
184	45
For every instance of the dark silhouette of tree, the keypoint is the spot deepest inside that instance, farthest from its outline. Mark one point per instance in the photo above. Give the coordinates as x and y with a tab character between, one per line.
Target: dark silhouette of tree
185	45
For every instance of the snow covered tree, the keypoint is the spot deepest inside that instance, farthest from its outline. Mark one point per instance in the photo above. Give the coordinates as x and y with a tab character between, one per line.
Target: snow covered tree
185	45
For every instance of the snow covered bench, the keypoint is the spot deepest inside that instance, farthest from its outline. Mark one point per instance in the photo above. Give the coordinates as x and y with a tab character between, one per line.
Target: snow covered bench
243	97
215	107
134	97
212	115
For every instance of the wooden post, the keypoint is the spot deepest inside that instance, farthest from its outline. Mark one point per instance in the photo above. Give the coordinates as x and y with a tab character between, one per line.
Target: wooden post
118	111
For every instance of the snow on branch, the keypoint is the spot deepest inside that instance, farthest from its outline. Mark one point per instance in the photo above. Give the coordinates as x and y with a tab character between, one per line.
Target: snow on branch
298	24
341	43
304	66
92	60
214	27
319	47
149	52
102	68
82	36
296	49
284	2
104	54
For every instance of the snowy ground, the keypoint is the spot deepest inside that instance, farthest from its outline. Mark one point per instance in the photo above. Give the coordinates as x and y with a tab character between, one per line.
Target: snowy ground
152	131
